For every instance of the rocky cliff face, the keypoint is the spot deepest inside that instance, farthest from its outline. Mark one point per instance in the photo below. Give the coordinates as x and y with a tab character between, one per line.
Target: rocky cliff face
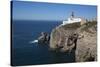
80	39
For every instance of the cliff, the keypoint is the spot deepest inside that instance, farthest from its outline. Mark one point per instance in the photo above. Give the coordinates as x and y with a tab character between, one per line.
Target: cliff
76	38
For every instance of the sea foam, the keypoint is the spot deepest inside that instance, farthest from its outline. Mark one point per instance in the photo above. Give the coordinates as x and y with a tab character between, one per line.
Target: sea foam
35	41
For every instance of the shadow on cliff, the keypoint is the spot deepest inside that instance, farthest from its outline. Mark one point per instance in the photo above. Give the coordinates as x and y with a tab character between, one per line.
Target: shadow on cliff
68	54
63	57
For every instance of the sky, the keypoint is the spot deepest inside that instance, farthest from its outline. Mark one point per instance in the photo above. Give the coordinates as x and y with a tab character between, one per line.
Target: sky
22	10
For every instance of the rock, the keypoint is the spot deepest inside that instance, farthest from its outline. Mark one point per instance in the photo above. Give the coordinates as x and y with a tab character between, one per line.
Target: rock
81	39
44	38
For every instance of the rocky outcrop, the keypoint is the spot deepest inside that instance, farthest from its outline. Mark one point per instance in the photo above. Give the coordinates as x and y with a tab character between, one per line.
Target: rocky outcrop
81	39
44	38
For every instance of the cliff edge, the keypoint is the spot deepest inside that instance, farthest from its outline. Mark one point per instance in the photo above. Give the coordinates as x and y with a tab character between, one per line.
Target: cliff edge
77	38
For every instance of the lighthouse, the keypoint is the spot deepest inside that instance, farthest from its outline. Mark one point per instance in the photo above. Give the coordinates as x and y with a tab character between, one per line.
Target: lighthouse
72	19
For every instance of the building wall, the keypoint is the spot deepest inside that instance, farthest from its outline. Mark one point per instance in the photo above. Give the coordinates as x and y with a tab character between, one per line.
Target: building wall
72	20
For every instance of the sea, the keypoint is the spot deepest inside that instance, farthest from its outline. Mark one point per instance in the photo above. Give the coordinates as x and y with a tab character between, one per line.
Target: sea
23	52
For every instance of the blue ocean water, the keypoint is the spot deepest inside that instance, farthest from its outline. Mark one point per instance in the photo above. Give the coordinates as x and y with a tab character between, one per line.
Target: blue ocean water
26	53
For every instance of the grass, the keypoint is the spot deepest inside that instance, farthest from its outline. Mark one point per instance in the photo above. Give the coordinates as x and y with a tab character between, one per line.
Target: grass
88	25
72	26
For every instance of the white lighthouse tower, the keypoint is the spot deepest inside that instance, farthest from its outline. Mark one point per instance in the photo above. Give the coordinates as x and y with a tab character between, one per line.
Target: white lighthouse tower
72	19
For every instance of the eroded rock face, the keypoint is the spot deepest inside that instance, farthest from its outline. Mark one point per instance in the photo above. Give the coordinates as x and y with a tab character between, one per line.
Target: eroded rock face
76	38
44	38
64	38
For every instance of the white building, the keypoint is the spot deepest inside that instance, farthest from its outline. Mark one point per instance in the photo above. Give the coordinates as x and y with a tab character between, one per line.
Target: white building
72	19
